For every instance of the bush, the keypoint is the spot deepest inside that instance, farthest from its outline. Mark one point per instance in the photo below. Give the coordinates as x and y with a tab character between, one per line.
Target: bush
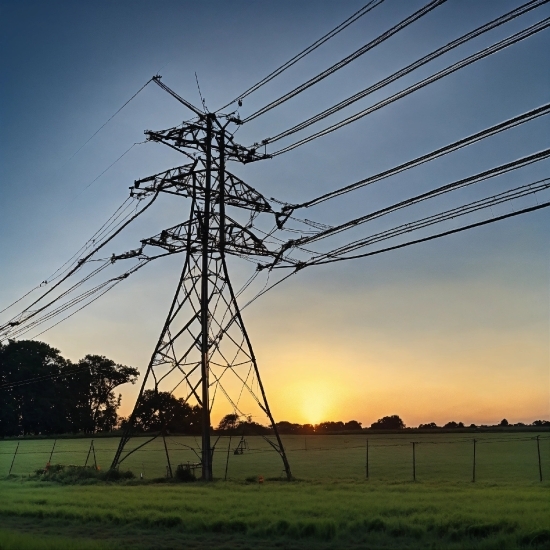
68	475
184	473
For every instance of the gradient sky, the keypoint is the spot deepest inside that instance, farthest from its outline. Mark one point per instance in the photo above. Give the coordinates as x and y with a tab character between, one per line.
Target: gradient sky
453	329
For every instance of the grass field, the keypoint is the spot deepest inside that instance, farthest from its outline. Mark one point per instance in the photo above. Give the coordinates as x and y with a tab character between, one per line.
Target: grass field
331	506
439	457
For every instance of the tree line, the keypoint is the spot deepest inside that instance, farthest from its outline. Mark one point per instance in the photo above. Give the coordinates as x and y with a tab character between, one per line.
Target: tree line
232	423
41	392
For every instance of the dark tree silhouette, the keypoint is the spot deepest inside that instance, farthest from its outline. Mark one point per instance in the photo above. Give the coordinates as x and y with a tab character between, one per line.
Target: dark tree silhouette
33	408
98	403
454	424
388	423
161	411
352	425
229	422
43	393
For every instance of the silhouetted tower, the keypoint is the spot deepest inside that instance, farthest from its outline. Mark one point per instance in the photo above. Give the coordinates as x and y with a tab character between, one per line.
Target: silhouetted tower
204	351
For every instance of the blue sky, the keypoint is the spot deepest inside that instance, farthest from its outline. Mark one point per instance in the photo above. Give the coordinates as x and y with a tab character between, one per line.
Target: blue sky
451	329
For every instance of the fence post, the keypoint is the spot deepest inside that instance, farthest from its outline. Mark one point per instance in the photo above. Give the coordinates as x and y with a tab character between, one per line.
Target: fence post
93	450
14	455
89	451
227	459
51	454
540	465
474	470
167	457
414	460
367	460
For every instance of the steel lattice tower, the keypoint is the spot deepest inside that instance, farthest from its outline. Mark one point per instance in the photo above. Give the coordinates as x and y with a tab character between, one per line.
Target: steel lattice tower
204	346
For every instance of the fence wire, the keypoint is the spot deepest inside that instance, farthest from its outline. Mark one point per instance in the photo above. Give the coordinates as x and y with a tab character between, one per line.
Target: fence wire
418	457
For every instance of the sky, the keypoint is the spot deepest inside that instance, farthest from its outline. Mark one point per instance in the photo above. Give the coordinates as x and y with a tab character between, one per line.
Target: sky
452	329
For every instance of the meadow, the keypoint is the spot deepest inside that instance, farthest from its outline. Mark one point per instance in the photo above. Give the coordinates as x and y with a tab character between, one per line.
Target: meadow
331	505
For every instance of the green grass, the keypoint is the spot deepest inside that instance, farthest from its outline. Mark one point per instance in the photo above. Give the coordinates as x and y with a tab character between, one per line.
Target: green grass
333	506
12	540
398	515
439	457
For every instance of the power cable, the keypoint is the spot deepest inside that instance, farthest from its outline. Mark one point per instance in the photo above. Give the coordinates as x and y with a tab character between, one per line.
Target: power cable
476	178
432	237
100	233
43	378
102	289
358	14
522	35
493	130
111	165
500	198
82	261
107	122
342	63
413	66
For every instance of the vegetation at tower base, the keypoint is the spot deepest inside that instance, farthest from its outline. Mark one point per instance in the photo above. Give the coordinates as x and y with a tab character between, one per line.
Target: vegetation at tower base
41	392
158	411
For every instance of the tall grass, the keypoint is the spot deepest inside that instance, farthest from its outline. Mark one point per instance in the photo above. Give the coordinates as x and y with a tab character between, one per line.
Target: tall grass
405	514
443	457
330	506
12	540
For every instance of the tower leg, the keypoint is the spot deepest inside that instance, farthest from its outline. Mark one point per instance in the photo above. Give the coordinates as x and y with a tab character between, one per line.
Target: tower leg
267	410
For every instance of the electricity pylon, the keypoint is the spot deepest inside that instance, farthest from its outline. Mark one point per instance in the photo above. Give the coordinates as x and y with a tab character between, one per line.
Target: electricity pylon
204	349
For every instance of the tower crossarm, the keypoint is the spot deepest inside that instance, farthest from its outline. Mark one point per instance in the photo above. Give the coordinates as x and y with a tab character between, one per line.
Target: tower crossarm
189	179
191	135
239	240
174	239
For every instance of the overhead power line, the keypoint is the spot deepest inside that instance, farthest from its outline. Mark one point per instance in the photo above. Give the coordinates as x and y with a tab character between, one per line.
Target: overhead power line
436	236
455	146
357	15
78	265
36	379
413	66
107	121
522	35
453	213
476	178
94	293
384	36
100	233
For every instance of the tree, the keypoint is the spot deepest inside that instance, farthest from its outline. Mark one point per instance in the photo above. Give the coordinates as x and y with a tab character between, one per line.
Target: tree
98	381
162	411
32	408
325	427
229	422
285	427
453	425
504	422
429	426
388	423
48	394
352	425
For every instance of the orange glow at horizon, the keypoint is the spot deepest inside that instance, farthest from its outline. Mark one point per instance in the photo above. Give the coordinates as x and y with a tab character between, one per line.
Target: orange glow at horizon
473	353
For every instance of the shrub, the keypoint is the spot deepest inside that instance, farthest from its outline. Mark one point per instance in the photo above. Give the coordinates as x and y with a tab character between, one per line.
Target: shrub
184	473
80	474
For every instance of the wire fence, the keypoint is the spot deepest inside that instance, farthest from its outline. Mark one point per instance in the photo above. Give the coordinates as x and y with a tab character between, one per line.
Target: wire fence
415	457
